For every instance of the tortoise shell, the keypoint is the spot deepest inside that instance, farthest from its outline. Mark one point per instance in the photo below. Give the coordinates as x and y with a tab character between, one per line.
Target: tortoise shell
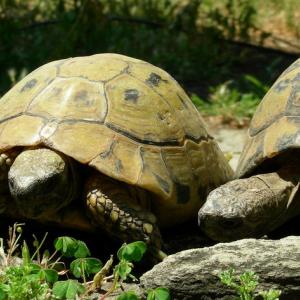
274	128
124	117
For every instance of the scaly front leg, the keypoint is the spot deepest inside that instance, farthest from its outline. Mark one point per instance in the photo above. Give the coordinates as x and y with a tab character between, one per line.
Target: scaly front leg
112	206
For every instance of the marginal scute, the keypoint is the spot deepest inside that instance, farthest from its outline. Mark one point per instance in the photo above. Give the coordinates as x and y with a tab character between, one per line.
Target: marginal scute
21	131
207	163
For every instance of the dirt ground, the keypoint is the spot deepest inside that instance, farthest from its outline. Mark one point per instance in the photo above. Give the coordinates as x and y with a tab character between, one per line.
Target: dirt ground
230	139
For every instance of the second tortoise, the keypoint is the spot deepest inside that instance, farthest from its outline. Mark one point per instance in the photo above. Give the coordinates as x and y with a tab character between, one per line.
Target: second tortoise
267	193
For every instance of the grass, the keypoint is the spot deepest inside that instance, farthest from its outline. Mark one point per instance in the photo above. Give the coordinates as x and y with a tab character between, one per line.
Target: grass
233	100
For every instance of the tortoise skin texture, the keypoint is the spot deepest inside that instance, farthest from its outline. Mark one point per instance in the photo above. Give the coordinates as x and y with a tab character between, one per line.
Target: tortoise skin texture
275	125
125	118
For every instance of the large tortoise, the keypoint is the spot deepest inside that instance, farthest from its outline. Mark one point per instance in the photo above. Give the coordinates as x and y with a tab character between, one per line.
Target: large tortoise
267	194
115	131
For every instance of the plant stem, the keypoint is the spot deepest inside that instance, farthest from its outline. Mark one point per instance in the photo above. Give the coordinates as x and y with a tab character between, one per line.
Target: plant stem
112	288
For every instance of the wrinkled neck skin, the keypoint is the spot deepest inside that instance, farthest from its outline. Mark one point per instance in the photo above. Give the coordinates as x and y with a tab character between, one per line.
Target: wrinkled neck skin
251	207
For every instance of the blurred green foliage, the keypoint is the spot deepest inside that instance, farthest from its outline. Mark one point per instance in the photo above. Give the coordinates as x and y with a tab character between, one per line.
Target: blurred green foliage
228	100
187	38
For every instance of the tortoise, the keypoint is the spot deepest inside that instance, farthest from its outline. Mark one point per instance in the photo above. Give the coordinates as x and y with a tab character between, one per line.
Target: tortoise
264	194
105	141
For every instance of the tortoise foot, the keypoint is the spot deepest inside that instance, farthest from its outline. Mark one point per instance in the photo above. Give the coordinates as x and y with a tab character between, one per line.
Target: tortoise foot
111	206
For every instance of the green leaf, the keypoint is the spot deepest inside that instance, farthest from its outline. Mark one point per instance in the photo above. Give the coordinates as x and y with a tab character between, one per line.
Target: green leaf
82	250
25	254
34	268
67	289
270	294
130	295
49	275
159	294
123	268
33	277
3	294
133	251
227	277
249	281
85	266
66	245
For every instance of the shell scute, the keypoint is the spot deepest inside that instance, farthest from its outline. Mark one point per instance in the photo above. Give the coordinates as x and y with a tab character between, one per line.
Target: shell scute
71	99
136	110
16	101
172	94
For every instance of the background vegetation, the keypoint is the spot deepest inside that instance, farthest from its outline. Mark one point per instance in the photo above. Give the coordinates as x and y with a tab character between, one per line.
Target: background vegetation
194	40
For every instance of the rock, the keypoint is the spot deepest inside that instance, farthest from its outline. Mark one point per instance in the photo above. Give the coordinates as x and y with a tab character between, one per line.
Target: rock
193	274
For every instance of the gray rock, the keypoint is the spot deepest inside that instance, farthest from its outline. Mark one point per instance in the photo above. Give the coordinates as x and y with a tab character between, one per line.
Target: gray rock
193	274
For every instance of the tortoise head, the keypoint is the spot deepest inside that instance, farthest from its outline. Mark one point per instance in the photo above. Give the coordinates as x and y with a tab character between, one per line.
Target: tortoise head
41	181
244	208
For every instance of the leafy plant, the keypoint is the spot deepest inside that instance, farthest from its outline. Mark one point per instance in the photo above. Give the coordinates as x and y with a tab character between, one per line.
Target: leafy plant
153	294
246	284
38	276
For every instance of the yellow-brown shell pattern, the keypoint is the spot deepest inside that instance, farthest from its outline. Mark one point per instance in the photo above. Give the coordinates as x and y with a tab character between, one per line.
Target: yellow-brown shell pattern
275	124
124	117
